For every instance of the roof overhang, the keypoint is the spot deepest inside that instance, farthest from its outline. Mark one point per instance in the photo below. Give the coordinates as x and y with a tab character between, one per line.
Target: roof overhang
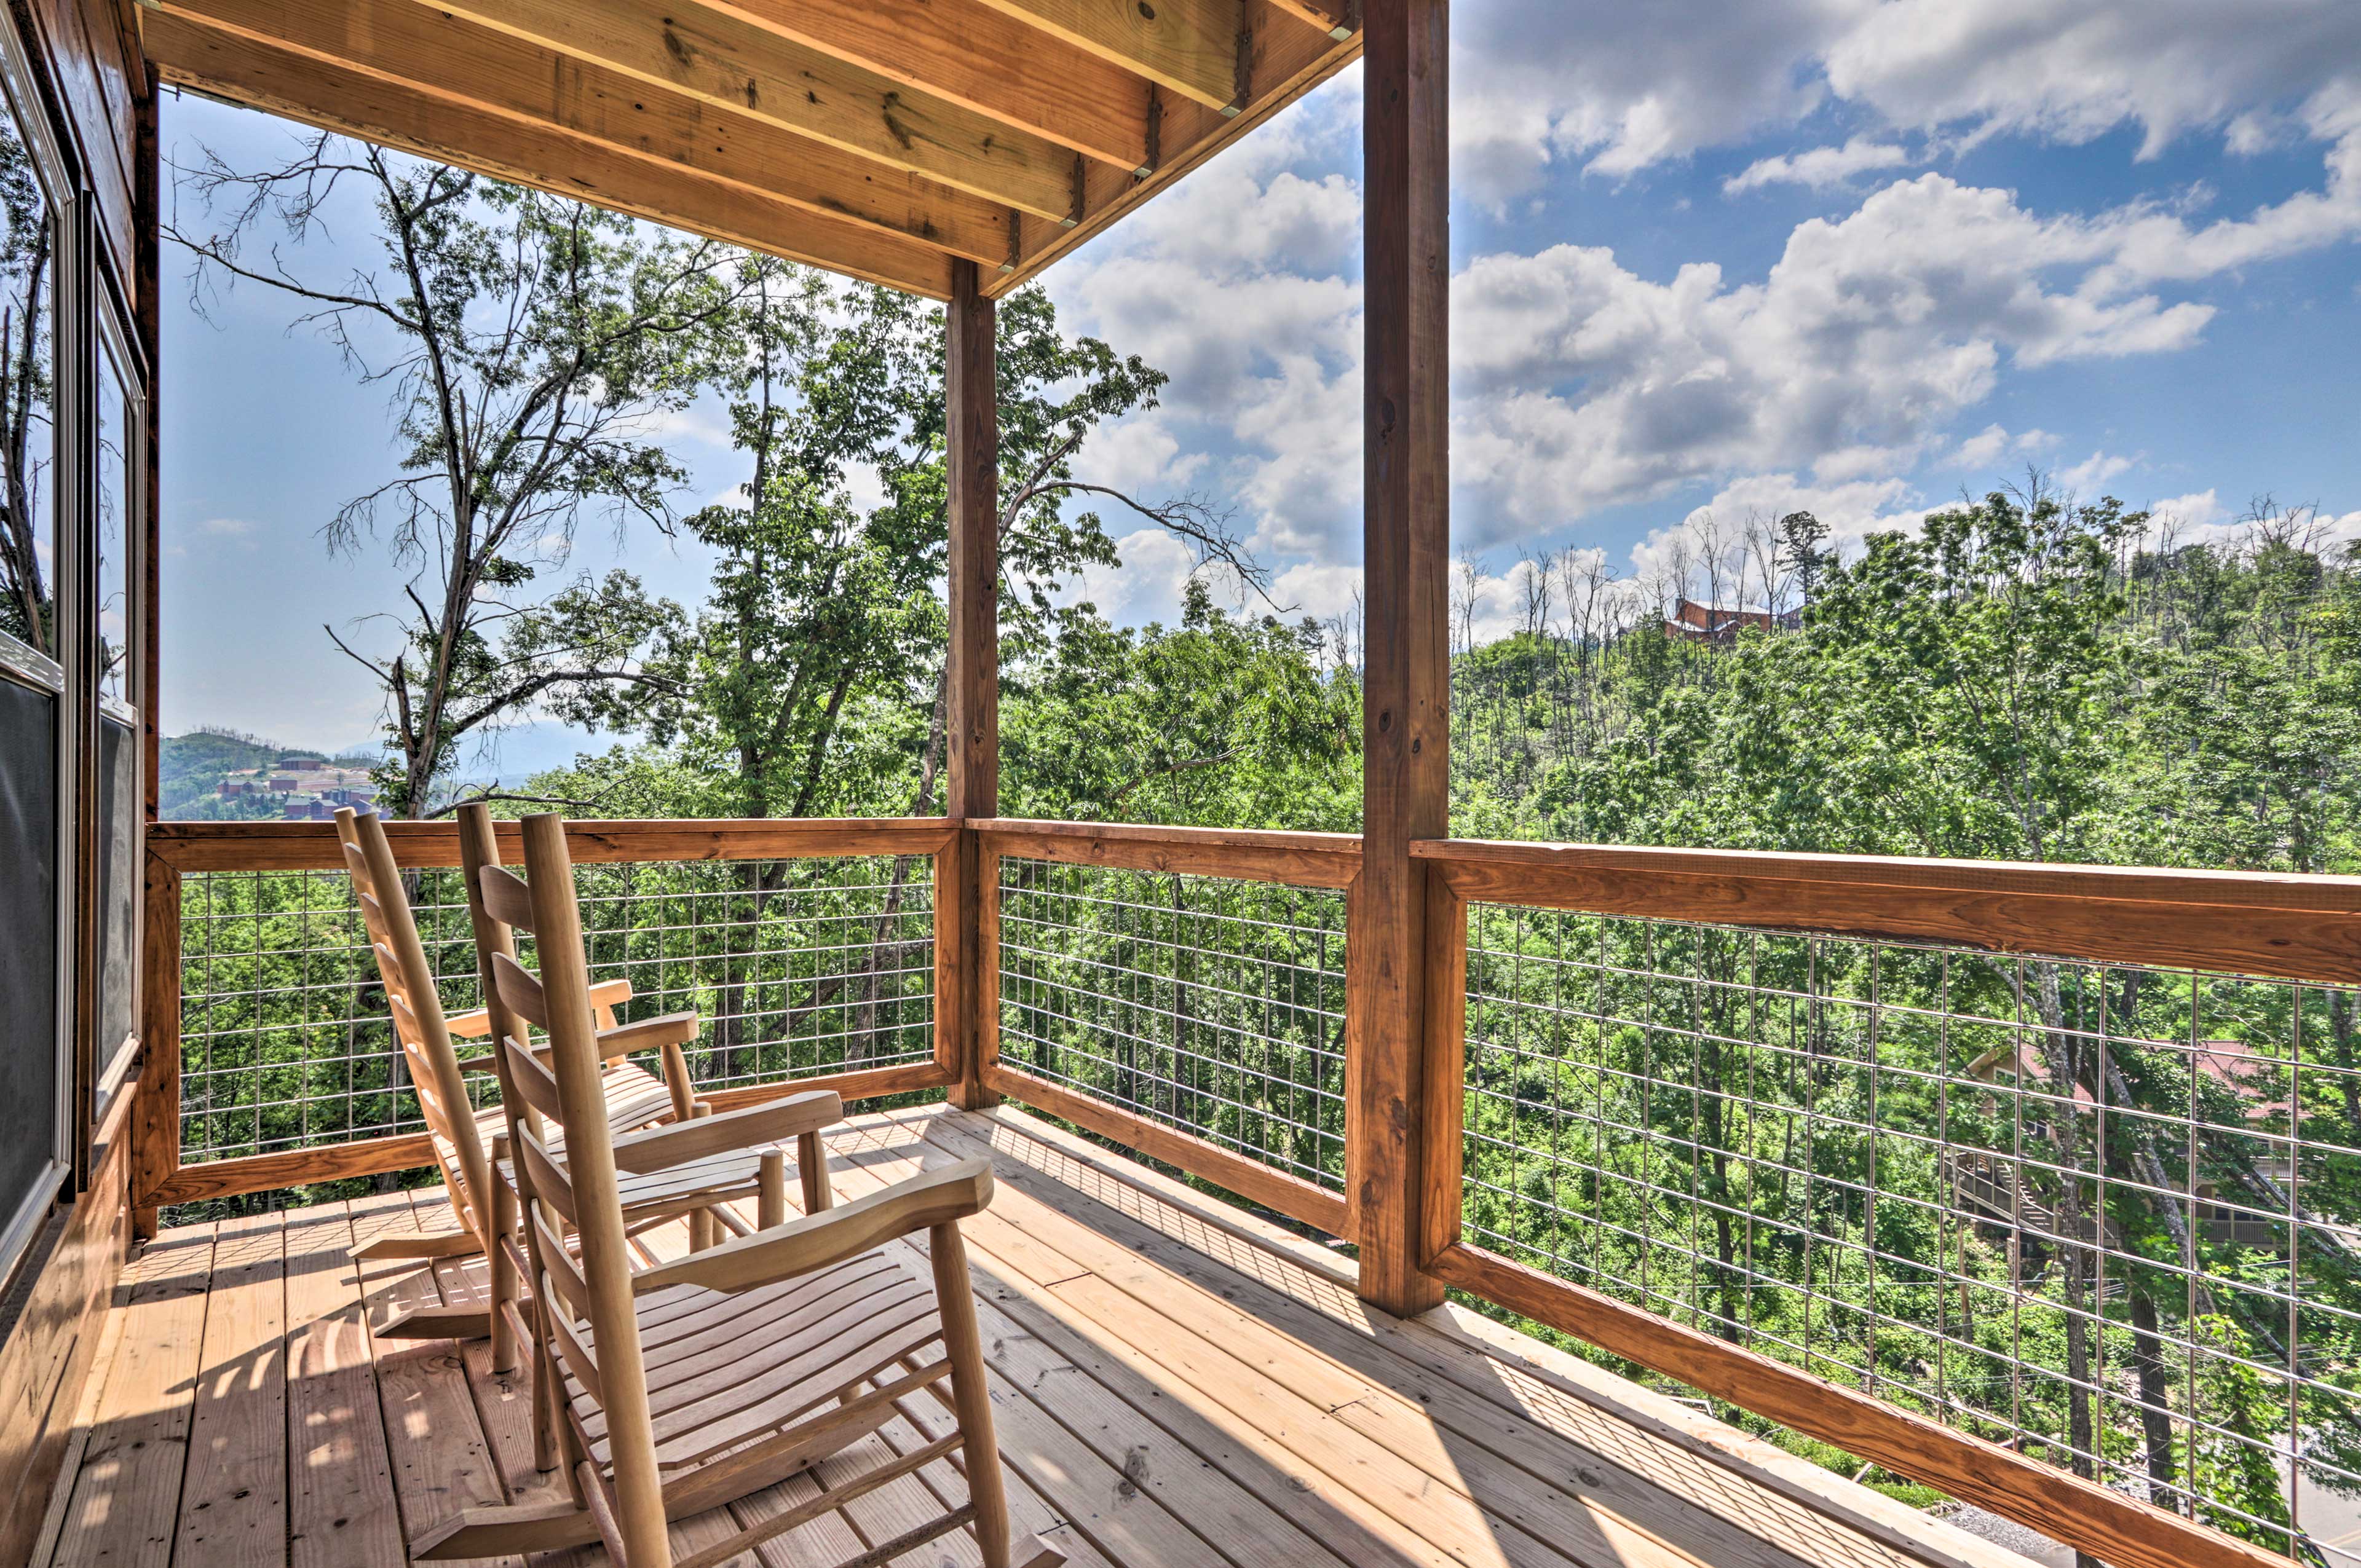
883	139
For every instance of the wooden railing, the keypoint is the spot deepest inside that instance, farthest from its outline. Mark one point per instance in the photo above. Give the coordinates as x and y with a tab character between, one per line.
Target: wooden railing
1210	1063
177	852
2186	943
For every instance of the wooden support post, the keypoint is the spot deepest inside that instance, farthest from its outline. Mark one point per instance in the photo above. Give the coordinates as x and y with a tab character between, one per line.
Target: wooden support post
971	718
1406	560
156	1112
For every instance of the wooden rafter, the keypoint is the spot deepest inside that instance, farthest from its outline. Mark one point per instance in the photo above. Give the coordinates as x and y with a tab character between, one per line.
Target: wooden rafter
965	53
1284	60
1190	46
721	59
340	98
878	138
454	60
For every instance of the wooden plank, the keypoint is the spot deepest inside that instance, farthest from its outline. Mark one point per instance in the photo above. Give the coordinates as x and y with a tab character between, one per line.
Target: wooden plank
503	1399
2299	927
1139	1442
1406	544
126	1502
1788	1500
52	1360
351	103
312	846
1411	1486
966	53
1257	1183
434	1442
234	1501
1582	1503
972	688
1442	1077
721	59
2108	1524
1298	860
340	1505
1188	46
156	1101
83	50
1334	17
290	1167
1285	65
449	58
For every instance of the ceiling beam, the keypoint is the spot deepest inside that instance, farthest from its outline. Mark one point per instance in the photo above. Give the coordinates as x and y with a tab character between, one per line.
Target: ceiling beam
338	98
967	53
1340	19
725	60
455	59
1189	46
1284	60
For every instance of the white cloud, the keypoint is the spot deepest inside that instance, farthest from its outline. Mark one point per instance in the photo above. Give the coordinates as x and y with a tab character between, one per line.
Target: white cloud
1582	384
1147	585
1617	88
228	527
1820	167
2085	479
2073	70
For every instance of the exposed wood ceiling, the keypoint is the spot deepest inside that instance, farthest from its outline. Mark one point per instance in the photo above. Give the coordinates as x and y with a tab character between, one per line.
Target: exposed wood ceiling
879	138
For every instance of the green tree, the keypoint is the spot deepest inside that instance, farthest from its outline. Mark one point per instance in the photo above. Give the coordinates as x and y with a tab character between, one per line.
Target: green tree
526	341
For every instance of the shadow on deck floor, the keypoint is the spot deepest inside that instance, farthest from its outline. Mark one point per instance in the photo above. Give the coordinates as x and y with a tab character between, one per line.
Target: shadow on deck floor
1175	1384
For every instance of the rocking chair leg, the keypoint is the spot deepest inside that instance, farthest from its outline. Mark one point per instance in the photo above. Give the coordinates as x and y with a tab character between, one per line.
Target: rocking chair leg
547	1413
504	1274
971	1397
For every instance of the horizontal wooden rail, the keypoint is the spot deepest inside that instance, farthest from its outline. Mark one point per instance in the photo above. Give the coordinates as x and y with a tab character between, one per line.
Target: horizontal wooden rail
293	1167
1300	860
1255	1182
414	1151
2292	928
2109	1525
312	846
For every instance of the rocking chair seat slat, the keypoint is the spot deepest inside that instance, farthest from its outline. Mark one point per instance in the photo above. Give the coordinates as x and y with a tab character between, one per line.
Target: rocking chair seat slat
821	1335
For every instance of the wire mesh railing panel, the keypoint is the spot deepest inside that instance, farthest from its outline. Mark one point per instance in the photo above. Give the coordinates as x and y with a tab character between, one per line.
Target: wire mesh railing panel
1213	1006
796	968
2107	1215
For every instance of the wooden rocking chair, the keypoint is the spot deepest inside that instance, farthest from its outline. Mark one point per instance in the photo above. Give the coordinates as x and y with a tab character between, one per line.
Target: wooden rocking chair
471	1146
696	1381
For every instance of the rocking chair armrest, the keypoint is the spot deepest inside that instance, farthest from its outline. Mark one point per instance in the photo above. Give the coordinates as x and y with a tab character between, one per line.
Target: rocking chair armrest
677	1143
477	1024
831	1236
648	1033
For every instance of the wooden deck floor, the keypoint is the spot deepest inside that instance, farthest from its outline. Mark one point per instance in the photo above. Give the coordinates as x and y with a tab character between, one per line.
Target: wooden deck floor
1175	1384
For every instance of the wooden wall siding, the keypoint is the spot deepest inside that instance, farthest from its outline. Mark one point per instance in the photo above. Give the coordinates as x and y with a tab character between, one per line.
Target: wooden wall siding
881	140
87	47
49	1351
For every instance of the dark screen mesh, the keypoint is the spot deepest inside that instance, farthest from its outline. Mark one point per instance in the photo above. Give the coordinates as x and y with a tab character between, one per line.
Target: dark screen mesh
118	884
29	940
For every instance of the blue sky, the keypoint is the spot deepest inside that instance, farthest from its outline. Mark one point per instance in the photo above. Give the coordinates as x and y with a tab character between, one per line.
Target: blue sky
1713	260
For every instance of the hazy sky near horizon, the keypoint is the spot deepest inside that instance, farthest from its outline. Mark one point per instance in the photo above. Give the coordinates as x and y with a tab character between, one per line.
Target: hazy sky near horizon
1858	256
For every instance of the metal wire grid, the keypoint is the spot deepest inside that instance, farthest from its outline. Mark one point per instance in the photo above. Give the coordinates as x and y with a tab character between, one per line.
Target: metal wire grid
2106	1214
1213	1006
796	967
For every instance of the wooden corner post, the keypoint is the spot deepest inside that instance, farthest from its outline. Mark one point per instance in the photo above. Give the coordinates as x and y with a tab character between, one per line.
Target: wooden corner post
963	969
1406	732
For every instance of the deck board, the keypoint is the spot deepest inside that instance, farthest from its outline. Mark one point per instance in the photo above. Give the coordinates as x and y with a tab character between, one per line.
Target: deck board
1175	1383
